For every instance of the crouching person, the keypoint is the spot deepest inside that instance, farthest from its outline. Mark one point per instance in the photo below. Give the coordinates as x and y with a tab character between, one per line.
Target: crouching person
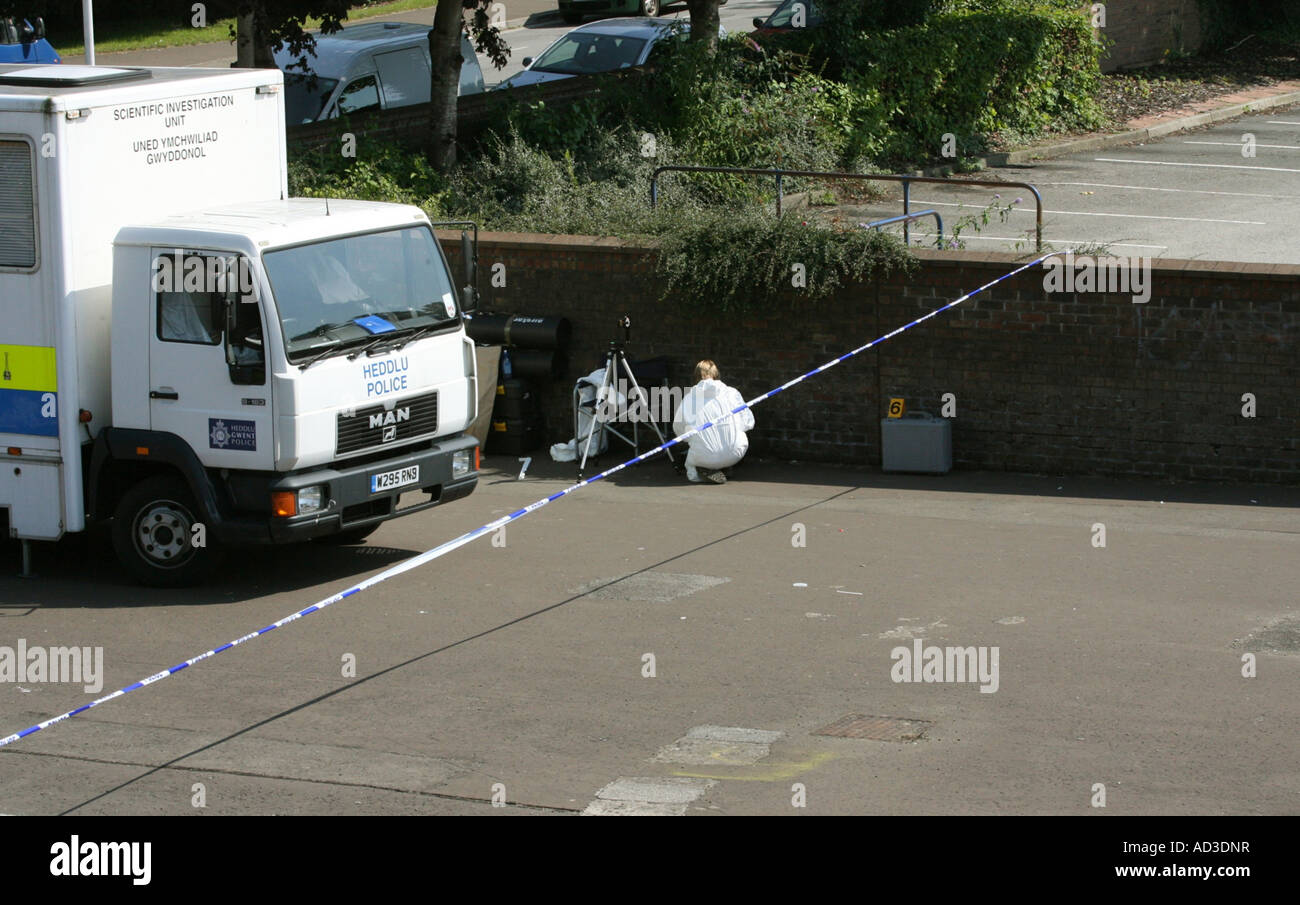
725	443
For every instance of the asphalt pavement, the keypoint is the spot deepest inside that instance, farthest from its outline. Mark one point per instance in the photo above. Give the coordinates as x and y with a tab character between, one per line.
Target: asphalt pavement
649	646
1230	192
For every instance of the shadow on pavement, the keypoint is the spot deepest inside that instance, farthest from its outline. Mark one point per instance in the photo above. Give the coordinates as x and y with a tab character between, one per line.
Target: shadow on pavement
82	571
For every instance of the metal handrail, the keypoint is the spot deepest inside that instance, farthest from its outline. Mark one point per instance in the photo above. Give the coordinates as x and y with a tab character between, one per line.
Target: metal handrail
905	219
815	174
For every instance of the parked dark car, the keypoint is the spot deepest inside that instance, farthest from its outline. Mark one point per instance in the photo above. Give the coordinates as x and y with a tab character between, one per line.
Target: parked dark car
23	42
787	18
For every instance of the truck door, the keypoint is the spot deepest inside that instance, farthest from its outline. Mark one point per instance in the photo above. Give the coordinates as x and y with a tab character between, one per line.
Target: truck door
207	365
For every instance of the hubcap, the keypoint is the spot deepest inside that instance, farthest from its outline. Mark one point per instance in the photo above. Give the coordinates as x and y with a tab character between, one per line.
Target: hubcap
162	534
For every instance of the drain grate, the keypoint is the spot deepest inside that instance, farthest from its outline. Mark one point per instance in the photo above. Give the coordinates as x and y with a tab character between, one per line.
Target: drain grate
879	728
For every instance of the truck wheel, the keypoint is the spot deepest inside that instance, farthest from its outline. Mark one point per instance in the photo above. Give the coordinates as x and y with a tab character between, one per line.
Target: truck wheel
345	538
153	534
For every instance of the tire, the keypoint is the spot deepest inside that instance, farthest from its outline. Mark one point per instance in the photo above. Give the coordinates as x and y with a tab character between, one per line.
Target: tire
347	538
153	533
648	8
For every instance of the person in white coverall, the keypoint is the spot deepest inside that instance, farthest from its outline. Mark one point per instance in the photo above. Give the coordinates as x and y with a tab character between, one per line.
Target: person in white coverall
725	443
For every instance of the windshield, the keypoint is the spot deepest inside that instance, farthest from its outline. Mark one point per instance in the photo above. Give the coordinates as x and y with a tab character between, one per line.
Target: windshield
345	292
580	52
304	98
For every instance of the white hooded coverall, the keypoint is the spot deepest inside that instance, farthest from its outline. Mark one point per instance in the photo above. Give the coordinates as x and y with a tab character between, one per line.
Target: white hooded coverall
722	445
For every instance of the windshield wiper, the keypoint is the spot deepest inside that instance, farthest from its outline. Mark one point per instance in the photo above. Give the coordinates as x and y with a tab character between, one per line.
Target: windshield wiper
400	338
319	331
374	343
336	344
336	349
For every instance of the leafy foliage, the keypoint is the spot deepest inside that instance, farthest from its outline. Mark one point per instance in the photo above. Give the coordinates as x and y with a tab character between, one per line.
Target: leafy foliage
735	262
972	73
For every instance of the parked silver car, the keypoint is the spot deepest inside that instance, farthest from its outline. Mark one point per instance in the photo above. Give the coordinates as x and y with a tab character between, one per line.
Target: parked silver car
374	65
599	47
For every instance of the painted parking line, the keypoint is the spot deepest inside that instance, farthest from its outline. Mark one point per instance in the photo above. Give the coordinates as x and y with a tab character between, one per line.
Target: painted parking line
1025	210
1076	243
1237	144
1213	166
1152	188
1282	122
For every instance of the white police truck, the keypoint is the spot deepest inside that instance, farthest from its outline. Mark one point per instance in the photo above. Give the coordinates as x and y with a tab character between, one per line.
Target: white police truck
193	355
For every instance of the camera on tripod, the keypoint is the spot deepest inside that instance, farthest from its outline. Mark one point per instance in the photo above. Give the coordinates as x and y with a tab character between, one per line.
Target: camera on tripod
618	345
617	369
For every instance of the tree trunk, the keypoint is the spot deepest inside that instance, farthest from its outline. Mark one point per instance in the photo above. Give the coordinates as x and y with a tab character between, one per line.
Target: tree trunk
244	42
704	21
445	62
251	49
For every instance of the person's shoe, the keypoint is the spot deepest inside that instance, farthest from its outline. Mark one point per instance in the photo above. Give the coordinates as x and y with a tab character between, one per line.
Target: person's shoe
693	475
717	477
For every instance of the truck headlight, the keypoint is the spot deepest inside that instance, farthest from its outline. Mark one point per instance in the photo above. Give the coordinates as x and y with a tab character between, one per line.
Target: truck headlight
461	463
311	499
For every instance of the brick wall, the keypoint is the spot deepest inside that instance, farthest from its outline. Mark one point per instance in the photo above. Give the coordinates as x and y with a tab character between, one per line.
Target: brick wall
1143	30
1043	383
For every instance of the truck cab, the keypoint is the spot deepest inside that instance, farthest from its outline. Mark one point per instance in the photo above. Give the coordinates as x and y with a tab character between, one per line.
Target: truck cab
307	372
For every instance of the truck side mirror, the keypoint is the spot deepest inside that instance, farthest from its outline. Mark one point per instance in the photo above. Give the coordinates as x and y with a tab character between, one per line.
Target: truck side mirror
228	303
469	263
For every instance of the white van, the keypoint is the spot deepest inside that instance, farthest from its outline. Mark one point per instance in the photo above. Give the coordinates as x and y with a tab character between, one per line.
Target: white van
366	67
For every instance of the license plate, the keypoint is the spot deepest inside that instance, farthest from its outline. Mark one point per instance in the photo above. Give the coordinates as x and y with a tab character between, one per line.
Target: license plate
398	478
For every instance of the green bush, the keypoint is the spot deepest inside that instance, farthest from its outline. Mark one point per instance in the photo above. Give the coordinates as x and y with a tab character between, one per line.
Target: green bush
378	172
738	107
742	261
972	73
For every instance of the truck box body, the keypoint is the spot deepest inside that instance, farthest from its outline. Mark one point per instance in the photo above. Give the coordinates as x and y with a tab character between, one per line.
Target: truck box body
88	149
346	382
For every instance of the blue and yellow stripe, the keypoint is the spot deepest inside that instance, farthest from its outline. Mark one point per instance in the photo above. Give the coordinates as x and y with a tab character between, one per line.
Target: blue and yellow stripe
29	386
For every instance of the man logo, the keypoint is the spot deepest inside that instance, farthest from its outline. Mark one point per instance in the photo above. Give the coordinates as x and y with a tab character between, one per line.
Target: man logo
389	421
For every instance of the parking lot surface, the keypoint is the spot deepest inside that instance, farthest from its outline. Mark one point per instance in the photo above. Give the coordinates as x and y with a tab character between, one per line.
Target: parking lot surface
649	646
1190	195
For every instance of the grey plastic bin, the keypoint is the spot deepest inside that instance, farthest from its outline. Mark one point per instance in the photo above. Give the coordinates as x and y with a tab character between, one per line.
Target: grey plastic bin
917	442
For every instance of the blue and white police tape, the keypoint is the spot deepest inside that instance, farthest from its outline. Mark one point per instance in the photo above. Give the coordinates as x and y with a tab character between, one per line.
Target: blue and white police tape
442	550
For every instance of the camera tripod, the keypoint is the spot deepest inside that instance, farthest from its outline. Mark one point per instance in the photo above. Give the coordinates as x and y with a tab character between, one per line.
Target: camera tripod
616	358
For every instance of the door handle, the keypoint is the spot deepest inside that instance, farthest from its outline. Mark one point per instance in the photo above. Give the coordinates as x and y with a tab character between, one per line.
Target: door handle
159	394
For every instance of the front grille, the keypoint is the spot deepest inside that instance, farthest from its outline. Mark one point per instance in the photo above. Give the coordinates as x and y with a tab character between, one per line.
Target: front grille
380	426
